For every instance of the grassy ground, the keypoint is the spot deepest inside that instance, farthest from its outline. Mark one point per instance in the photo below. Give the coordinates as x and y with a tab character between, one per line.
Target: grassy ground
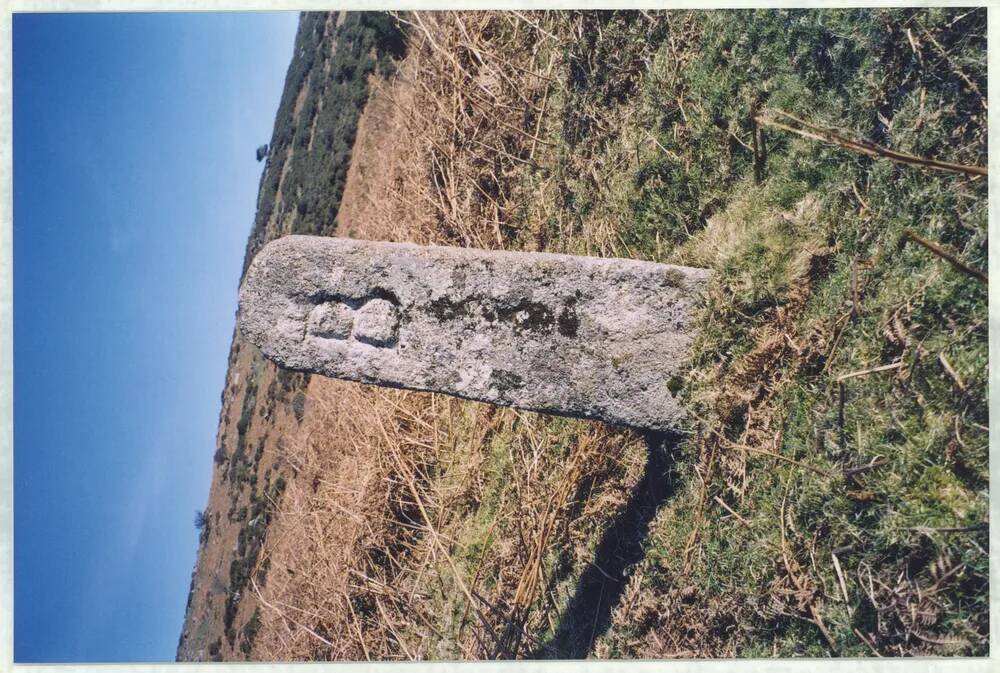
803	514
874	539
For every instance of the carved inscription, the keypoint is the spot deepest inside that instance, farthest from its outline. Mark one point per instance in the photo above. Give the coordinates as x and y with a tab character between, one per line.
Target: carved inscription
377	323
372	321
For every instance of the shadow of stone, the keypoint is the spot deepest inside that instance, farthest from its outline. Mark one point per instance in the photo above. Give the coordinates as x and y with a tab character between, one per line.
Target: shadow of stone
588	613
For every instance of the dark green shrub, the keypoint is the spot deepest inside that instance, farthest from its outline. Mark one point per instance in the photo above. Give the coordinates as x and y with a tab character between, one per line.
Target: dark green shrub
299	405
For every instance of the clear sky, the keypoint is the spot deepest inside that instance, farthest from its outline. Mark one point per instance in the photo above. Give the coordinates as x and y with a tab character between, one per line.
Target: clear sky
135	186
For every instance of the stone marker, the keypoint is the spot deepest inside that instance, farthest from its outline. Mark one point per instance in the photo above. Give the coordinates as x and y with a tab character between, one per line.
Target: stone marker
579	336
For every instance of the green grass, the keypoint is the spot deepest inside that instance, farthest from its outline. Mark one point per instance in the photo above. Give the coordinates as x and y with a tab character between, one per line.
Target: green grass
782	252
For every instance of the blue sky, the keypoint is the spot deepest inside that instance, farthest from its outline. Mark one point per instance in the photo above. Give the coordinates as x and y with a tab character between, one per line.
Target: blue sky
135	186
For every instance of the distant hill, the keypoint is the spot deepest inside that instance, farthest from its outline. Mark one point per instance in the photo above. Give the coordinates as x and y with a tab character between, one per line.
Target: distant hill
325	91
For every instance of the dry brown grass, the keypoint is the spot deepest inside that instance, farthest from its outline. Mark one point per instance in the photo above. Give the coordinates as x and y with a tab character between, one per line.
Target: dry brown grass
380	531
344	503
418	526
475	119
455	112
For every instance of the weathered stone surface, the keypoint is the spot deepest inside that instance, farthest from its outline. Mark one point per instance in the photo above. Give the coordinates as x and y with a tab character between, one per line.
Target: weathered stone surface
578	336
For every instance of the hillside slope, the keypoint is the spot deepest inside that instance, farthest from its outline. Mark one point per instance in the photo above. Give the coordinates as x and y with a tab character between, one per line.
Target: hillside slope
325	90
805	514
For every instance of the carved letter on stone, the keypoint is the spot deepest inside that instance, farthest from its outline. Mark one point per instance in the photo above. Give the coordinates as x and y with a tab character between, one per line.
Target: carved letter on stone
579	336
